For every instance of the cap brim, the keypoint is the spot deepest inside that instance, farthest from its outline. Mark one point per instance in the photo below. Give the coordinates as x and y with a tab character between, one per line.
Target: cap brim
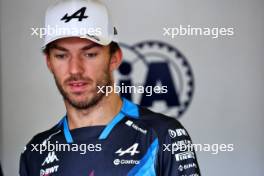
89	37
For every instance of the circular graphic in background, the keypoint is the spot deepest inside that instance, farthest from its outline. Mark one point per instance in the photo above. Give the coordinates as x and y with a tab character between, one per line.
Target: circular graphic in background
156	63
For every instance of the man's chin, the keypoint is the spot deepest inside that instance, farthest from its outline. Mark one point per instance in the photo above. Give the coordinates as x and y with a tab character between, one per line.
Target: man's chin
80	102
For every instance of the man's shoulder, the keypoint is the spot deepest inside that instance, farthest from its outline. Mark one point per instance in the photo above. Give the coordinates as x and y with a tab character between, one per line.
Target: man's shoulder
45	135
159	122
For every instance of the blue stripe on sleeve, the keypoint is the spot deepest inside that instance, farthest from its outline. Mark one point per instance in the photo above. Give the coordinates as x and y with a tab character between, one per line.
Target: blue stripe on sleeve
146	166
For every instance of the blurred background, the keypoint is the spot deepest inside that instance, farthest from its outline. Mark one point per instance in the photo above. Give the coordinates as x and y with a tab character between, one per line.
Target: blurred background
220	102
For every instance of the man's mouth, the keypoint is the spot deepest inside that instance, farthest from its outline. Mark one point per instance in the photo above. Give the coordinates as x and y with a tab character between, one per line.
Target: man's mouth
78	86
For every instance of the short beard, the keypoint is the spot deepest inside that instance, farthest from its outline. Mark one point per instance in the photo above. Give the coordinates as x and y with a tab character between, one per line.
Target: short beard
106	81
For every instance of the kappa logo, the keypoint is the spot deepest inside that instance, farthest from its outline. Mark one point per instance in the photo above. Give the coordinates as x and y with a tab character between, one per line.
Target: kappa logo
131	150
79	14
50	158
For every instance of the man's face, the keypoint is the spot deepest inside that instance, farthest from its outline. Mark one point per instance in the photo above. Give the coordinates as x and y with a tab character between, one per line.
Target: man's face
79	66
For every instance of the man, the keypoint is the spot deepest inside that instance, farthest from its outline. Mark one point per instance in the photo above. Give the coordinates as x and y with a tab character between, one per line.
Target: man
100	134
1	172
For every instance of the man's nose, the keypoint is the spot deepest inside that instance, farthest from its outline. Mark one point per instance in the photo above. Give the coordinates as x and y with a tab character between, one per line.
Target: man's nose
76	65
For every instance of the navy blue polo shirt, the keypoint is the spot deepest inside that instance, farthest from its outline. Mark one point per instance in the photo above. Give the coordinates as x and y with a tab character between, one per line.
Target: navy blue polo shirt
136	142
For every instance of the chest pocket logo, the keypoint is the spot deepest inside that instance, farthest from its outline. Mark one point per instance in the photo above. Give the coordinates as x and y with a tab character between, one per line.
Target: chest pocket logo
131	150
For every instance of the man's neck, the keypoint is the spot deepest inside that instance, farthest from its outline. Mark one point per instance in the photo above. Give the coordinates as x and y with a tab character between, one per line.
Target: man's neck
100	114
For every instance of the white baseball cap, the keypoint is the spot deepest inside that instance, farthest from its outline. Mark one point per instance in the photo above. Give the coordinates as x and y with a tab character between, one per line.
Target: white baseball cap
79	18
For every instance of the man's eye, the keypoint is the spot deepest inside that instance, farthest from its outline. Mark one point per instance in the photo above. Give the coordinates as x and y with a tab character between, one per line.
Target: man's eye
60	56
91	55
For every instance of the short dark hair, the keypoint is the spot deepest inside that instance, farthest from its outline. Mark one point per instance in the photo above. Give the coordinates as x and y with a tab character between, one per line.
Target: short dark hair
113	47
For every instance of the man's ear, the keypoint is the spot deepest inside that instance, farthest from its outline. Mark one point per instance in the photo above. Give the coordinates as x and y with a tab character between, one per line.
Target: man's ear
116	60
48	62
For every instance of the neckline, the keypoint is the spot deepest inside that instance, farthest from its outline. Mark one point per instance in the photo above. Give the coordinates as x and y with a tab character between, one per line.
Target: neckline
128	109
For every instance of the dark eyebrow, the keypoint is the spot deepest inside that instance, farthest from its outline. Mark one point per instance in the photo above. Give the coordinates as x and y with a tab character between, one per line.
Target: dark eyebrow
54	46
91	46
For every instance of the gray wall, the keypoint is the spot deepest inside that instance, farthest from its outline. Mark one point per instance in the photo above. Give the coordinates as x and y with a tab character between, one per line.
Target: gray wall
228	101
1	123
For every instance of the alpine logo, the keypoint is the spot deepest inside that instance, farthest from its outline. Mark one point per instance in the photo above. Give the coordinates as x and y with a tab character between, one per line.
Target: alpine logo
79	14
131	150
50	158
